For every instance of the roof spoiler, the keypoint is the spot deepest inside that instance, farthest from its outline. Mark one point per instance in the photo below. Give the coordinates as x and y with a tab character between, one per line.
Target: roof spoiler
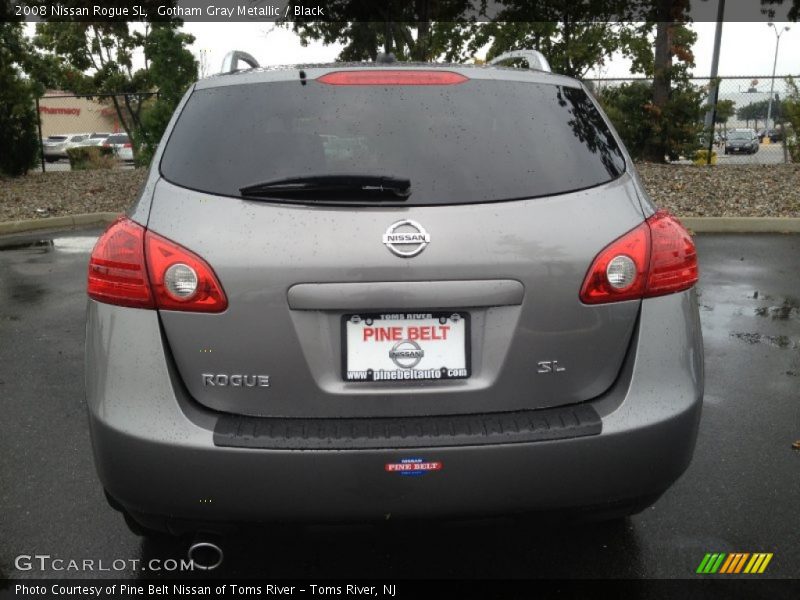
536	59
230	64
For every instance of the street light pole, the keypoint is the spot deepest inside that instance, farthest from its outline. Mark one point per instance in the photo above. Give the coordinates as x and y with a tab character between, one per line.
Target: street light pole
778	35
713	97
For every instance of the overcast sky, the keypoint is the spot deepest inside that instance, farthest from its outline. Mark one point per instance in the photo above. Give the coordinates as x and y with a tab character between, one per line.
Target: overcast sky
747	48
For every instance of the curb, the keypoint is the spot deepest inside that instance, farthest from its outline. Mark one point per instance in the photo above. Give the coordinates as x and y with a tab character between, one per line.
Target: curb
71	221
742	224
696	224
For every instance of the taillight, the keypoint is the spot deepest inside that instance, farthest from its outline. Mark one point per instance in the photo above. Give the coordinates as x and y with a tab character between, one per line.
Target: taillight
181	280
117	273
658	257
392	77
673	260
128	145
131	266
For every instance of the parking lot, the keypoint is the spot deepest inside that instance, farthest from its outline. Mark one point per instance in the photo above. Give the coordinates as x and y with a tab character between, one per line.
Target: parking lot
63	165
740	494
768	154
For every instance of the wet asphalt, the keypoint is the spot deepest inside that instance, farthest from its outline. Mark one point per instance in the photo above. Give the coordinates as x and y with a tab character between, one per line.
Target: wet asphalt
740	494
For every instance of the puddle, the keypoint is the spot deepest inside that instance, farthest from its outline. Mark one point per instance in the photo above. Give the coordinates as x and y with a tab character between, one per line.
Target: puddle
789	309
75	245
66	245
777	341
42	246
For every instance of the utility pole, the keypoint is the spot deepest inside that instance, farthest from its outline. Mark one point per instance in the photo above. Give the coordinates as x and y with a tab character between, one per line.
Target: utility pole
778	35
711	115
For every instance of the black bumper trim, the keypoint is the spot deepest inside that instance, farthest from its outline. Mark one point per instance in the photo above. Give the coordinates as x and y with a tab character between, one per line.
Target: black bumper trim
407	432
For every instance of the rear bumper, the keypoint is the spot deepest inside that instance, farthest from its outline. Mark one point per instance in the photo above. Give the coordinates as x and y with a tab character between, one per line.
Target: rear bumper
155	452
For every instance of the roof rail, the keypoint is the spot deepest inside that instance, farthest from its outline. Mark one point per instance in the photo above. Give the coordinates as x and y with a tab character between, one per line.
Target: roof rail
536	59
230	64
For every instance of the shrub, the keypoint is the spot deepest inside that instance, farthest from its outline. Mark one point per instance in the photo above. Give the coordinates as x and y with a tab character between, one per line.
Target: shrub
701	157
84	158
639	122
19	143
791	127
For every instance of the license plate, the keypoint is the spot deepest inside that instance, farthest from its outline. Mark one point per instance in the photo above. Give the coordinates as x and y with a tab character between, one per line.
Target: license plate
425	346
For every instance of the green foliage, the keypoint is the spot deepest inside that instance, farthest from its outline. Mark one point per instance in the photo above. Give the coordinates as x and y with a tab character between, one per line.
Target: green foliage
19	143
172	69
626	106
791	123
639	124
725	110
84	158
572	47
97	58
757	111
419	30
575	36
92	59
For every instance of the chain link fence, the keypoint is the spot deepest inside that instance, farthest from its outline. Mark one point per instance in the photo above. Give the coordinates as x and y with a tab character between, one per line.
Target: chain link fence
69	121
749	128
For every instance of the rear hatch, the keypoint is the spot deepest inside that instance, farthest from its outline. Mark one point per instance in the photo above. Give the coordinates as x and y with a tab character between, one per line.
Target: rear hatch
457	295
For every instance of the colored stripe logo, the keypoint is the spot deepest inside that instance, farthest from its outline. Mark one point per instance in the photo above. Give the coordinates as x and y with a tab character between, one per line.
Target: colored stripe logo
734	563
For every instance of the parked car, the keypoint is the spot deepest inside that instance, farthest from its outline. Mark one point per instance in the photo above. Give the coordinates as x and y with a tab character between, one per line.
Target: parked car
92	142
741	141
774	135
121	143
55	146
483	314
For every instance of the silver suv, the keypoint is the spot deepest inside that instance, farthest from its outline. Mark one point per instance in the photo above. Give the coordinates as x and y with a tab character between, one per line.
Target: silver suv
390	289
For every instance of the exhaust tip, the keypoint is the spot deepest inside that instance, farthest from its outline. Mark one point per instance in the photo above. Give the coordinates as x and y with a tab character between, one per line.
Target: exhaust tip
205	555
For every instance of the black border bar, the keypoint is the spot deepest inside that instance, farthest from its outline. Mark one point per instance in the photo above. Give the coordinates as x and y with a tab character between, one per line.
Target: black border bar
406	11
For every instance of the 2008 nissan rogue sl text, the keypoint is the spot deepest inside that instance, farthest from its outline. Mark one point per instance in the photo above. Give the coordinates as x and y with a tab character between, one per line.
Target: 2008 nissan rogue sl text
358	290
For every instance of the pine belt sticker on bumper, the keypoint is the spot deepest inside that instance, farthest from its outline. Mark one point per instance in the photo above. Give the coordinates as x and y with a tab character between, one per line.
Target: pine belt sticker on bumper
413	466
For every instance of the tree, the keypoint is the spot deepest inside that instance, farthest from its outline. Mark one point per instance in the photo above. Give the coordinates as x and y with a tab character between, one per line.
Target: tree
794	10
419	30
575	38
172	69
725	110
624	104
791	125
19	142
95	59
672	59
757	111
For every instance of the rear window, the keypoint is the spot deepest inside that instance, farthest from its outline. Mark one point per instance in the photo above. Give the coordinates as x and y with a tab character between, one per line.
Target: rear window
117	139
478	141
56	138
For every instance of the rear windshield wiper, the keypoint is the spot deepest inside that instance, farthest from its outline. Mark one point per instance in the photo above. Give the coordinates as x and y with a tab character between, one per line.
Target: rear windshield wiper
333	187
